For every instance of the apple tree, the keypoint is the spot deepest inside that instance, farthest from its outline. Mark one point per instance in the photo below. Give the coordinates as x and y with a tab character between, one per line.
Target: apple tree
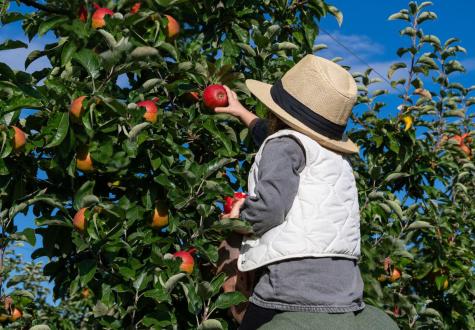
124	168
416	179
121	164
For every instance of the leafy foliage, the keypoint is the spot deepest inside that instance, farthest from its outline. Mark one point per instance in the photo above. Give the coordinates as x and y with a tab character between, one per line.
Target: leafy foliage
415	182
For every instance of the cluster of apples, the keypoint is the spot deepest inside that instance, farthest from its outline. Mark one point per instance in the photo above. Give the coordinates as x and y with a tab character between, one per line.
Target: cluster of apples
98	18
159	220
213	96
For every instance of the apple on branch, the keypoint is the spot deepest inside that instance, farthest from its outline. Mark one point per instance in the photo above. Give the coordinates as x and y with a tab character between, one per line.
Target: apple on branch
151	110
98	20
188	262
19	139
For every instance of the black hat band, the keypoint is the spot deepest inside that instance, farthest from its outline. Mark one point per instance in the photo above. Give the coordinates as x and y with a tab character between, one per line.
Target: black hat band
304	114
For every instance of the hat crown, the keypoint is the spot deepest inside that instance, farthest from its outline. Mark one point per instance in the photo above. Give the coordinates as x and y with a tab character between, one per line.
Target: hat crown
322	86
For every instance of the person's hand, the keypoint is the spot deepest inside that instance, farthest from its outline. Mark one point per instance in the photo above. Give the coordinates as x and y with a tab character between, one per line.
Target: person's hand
234	107
235	211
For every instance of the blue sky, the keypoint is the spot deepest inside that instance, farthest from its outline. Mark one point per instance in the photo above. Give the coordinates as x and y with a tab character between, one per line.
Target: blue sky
365	31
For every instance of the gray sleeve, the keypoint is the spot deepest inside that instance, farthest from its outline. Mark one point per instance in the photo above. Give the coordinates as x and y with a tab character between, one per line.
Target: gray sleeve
259	131
283	159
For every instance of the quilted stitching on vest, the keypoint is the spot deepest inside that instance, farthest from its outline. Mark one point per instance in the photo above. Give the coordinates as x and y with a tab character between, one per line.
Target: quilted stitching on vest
324	218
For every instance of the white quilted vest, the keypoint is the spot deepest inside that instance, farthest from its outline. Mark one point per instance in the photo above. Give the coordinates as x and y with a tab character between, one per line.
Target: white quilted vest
324	218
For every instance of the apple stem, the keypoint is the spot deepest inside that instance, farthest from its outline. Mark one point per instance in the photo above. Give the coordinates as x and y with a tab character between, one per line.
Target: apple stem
192	250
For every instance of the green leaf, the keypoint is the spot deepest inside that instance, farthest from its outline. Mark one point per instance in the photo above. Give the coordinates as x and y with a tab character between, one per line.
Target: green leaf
157	294
337	13
109	38
396	208
173	281
395	176
210	324
142	52
218	282
28	235
12	44
23	293
137	129
100	309
247	48
69	49
170	49
431	312
210	125
205	290
10	17
61	130
141	281
394	67
87	270
33	56
90	61
85	190
51	23
400	16
419	225
427	15
228	299
40	327
286	45
408	31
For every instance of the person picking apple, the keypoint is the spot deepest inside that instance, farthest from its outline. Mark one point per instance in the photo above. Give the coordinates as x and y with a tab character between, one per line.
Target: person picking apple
234	212
302	204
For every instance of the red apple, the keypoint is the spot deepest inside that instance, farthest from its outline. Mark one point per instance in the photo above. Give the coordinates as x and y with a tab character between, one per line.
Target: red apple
151	110
395	275
173	27
229	201
98	20
19	139
192	96
135	8
82	15
160	216
466	149
85	293
187	263
215	96
77	109
17	313
228	204
79	220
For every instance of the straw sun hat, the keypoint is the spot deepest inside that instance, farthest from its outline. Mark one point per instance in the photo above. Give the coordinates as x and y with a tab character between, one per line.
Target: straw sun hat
315	97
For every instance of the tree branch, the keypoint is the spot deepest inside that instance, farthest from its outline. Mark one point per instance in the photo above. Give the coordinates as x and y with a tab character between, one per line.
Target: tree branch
47	9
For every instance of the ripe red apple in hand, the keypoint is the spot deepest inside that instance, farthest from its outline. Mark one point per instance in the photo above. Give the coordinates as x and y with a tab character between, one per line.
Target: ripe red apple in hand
229	201
215	96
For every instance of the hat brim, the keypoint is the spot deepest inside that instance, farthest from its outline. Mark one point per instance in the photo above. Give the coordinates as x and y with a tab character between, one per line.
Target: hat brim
262	92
